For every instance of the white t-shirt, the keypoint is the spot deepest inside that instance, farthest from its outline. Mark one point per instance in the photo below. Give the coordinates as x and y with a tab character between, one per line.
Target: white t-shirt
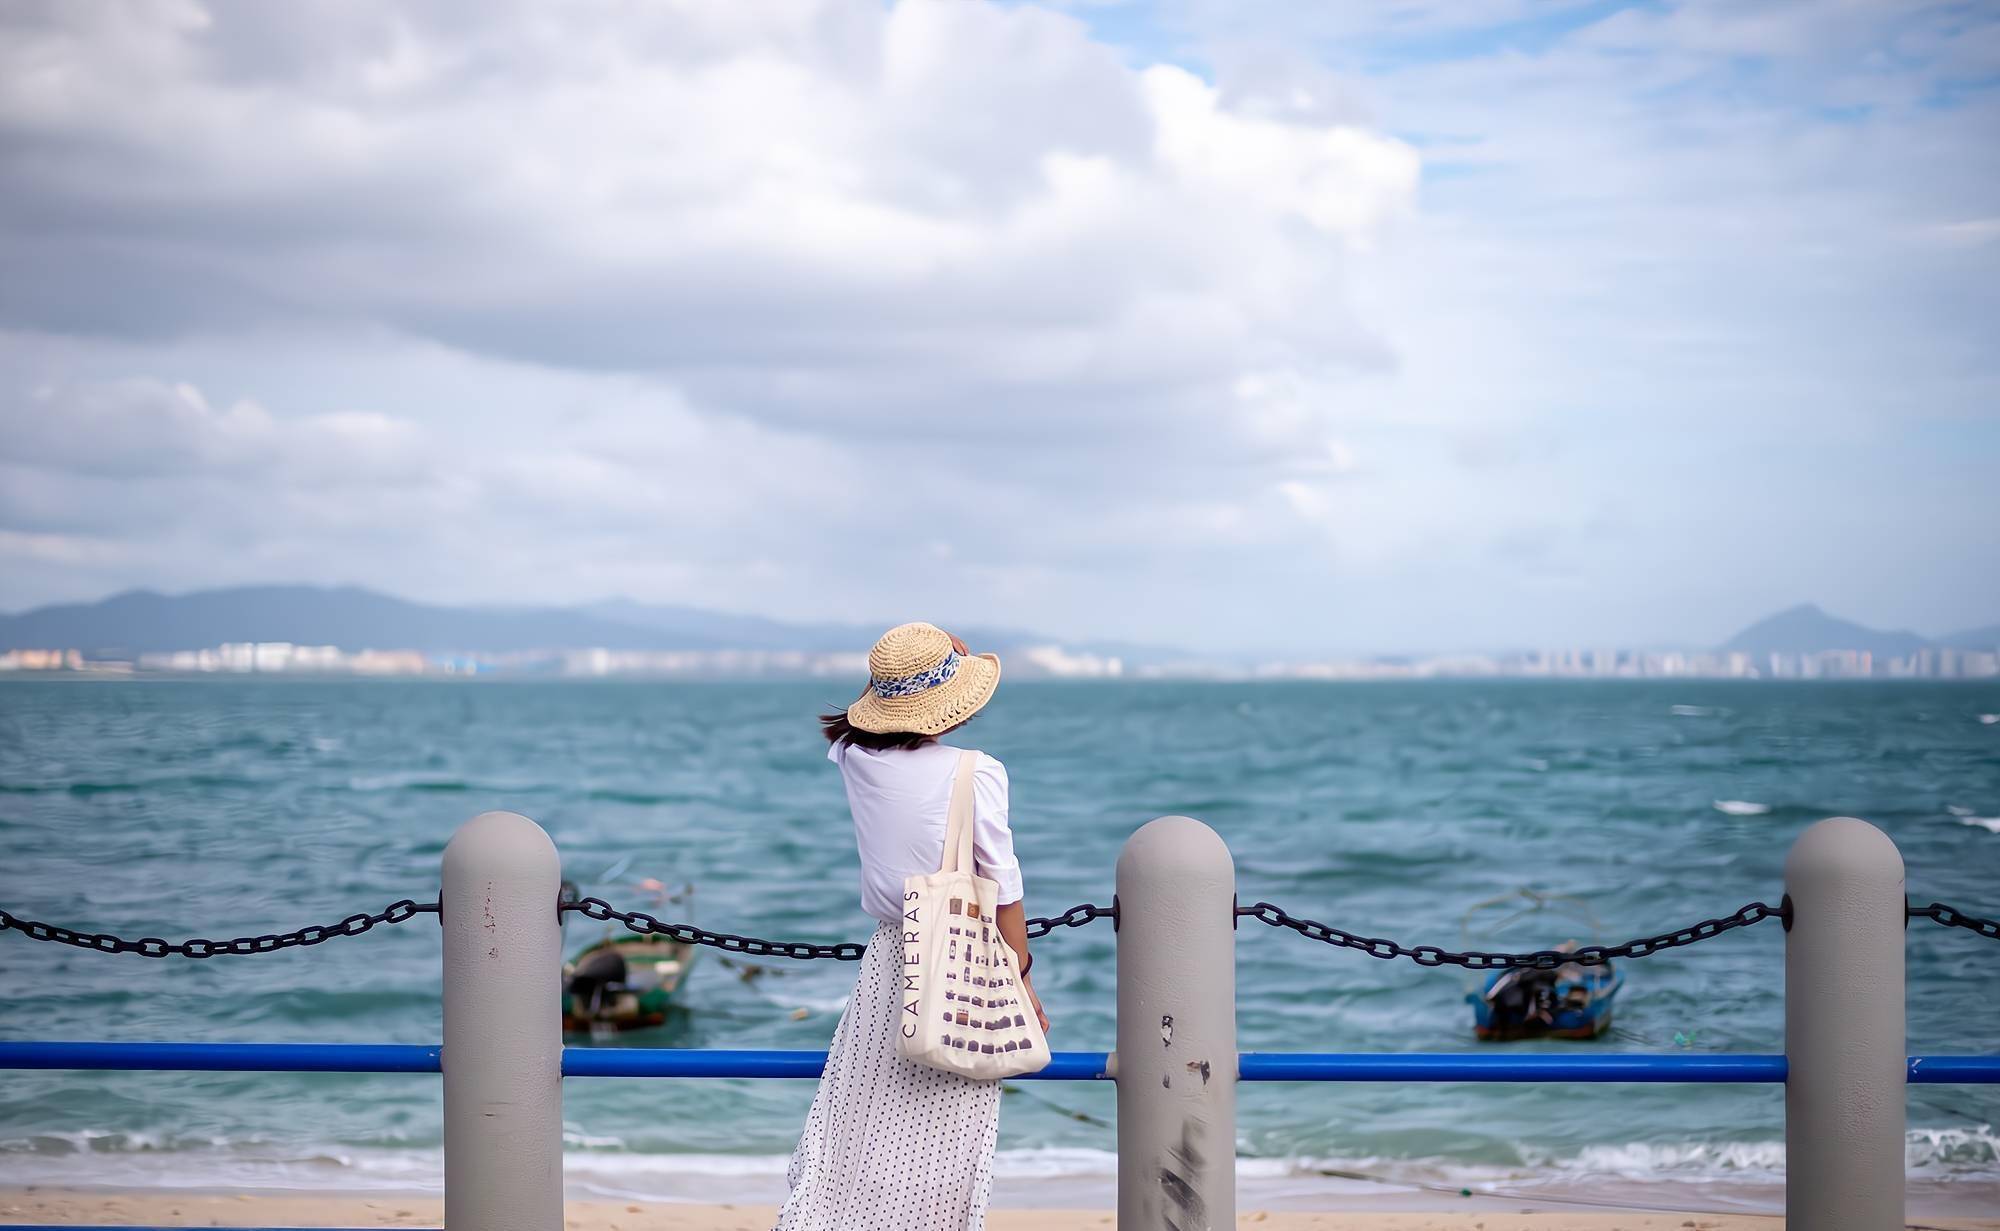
900	798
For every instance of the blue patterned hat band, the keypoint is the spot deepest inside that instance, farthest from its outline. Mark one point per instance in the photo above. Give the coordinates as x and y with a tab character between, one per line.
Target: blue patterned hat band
911	685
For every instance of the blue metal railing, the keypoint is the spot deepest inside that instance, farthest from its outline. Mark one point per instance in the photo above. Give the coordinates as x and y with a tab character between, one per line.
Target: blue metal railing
1065	1066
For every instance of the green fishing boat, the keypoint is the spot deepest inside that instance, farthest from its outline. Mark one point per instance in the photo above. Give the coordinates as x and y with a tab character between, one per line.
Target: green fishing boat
624	981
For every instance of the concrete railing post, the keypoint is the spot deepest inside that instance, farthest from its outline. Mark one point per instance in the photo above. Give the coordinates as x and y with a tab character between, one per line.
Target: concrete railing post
502	1027
1176	1060
1844	1096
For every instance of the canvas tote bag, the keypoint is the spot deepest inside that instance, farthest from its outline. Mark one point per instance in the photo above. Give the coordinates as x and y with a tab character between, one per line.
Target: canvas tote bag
963	1008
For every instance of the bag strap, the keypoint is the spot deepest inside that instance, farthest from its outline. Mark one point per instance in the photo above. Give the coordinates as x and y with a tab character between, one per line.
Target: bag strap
958	825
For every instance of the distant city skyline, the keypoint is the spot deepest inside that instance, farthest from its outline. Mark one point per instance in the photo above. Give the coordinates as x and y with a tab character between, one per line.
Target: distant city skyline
1040	662
1276	330
309	630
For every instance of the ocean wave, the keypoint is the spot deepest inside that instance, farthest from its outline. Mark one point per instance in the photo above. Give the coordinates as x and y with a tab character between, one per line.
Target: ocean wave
595	1162
1989	719
1740	807
574	1138
1991	824
84	1141
1954	1148
435	783
368	783
643	799
1681	1160
85	788
1689	711
321	1005
106	788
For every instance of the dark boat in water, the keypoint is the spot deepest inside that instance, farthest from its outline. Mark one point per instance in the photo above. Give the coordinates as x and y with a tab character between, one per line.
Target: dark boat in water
1570	1001
624	981
622	984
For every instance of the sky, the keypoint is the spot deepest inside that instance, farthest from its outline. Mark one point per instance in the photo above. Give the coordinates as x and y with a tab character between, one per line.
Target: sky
1239	325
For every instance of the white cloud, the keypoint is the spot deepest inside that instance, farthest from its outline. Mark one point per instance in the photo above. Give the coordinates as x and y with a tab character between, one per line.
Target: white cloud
1342	180
834	307
955	264
882	198
1971	233
143	428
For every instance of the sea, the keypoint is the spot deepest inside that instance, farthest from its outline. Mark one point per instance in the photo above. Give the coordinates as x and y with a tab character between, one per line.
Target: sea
220	807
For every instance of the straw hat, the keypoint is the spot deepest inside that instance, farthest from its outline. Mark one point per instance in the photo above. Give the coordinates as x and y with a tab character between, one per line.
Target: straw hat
918	682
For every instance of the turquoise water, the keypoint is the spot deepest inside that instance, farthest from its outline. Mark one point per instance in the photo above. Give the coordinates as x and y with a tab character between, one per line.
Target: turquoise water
219	808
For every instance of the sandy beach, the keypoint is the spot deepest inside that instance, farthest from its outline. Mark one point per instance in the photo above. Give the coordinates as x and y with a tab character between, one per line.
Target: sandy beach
60	1206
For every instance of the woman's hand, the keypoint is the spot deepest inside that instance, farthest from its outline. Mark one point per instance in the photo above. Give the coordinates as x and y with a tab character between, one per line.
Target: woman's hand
1035	1000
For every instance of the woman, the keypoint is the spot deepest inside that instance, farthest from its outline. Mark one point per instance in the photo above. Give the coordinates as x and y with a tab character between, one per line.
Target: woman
890	1144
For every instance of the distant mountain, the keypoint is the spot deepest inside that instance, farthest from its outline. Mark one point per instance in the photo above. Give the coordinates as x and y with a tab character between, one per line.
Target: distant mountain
1987	638
145	622
142	621
1805	629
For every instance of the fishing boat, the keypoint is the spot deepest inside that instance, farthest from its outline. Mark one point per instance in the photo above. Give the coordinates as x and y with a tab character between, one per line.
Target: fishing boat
1568	1001
623	981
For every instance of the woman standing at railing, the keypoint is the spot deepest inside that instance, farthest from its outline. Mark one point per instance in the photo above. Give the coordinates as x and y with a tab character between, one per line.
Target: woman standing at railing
891	1144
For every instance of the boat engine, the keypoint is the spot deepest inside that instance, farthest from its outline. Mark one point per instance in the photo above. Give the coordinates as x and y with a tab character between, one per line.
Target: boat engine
1524	999
597	974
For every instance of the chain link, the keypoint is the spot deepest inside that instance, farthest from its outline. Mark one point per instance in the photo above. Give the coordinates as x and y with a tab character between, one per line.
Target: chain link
689	934
1541	959
751	946
1952	917
1074	917
849	951
197	947
405	910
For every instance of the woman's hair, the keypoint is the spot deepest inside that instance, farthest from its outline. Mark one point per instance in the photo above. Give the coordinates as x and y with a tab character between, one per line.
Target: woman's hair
837	729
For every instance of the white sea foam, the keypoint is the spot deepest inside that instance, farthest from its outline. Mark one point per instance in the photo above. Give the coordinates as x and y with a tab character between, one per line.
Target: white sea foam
1936	1155
1955	1149
574	1138
1991	824
1955	810
1989	719
1690	711
1932	1153
1741	807
1729	1160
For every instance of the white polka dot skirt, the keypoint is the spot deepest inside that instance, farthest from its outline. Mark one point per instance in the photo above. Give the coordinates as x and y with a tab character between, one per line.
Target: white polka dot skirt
890	1144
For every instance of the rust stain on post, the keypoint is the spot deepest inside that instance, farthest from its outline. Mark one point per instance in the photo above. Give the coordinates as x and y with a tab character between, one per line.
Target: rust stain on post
1180	1178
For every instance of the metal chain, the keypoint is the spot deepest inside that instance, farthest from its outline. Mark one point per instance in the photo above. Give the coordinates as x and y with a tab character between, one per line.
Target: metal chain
405	910
1952	917
849	951
689	934
1074	917
1541	959
241	946
845	951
